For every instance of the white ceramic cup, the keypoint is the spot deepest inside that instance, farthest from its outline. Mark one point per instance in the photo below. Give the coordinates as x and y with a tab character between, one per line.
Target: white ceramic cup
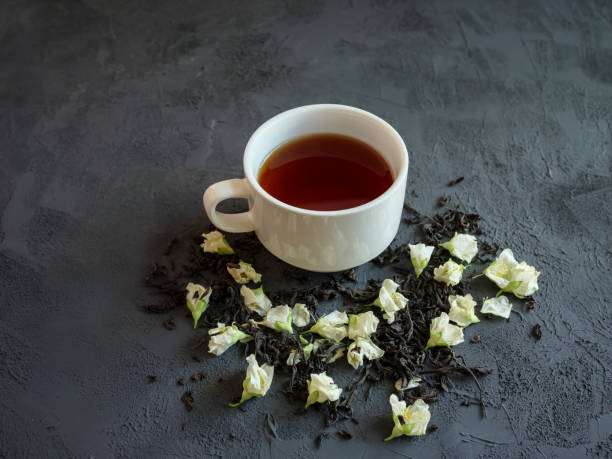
323	241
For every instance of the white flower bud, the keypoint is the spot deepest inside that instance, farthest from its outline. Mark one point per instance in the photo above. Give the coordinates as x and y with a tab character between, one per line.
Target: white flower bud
301	315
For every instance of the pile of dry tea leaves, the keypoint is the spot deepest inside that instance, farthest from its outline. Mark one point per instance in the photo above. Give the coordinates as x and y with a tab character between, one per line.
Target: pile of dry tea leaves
416	371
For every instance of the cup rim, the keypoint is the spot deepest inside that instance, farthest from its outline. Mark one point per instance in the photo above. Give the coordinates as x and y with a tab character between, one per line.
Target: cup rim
397	182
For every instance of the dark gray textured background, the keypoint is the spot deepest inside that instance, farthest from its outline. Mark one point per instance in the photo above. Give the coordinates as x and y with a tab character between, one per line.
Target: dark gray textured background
114	116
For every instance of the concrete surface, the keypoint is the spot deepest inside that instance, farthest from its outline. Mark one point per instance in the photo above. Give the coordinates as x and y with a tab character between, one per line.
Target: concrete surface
114	117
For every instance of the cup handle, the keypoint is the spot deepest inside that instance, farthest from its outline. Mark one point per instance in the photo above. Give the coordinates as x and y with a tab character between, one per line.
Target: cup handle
232	223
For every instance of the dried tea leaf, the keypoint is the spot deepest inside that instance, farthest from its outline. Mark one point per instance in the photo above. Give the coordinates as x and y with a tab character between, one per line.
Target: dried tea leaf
320	438
455	182
187	400
536	331
271	427
344	435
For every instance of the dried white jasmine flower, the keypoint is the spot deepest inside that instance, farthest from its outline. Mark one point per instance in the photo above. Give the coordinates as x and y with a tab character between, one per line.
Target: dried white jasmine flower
256	300
362	325
410	420
279	319
420	255
243	272
450	273
331	326
258	380
390	300
511	276
360	348
301	315
215	242
321	388
197	300
462	246
441	333
222	338
462	310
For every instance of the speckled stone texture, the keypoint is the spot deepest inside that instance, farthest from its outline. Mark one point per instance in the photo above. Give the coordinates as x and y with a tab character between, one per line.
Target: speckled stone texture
114	117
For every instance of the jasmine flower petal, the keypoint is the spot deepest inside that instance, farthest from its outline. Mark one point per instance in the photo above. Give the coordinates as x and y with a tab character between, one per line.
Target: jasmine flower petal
362	325
499	306
415	381
301	315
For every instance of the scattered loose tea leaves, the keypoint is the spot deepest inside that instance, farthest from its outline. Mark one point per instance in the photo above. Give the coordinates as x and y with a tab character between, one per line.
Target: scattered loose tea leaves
403	341
152	378
475	339
169	324
344	435
197	377
180	382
